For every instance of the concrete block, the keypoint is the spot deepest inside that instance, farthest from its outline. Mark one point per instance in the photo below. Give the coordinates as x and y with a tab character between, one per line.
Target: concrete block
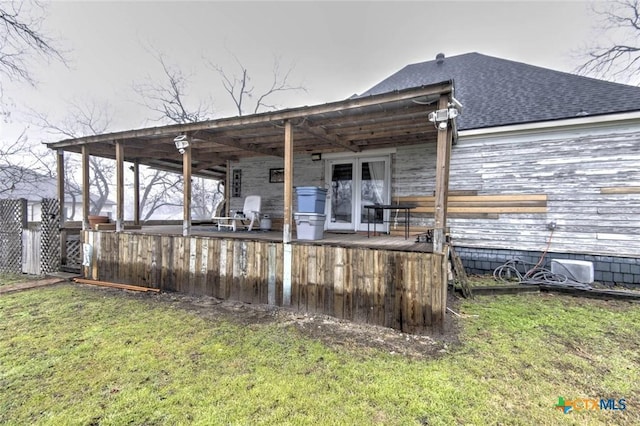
577	270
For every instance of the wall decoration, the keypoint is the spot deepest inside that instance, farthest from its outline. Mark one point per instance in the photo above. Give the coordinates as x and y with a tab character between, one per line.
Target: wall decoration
276	175
236	183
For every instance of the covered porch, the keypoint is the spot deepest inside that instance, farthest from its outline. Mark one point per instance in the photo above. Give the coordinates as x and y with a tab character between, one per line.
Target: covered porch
381	273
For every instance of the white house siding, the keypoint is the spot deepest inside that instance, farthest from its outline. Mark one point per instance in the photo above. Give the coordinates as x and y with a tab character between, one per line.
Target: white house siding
255	181
570	166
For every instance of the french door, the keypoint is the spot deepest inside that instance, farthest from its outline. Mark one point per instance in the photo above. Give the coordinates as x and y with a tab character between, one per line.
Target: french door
355	183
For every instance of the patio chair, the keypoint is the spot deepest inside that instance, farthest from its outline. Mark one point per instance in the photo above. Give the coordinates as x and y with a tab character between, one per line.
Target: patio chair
248	217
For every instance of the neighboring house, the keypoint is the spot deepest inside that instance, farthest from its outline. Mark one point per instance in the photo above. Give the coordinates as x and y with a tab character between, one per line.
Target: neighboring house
565	148
34	186
531	130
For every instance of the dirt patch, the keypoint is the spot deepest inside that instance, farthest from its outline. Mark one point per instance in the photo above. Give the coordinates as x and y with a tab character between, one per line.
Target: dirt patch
331	331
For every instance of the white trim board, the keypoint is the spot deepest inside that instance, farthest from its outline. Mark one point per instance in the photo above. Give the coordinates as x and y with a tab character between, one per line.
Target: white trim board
560	129
349	154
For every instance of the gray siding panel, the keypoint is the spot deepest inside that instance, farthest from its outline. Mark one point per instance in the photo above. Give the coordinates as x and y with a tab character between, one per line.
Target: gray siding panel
570	170
255	181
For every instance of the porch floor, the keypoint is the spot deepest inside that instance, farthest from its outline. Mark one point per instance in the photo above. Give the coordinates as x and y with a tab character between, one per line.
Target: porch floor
359	239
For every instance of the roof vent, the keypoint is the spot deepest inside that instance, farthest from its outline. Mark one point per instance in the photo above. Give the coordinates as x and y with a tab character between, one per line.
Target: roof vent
439	58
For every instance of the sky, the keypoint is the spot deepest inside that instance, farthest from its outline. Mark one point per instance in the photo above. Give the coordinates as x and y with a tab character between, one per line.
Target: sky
333	49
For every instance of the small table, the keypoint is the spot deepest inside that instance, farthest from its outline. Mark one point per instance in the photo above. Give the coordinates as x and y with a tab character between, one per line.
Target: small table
405	207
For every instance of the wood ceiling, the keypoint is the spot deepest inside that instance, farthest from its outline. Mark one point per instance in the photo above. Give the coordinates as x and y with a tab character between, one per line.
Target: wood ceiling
357	124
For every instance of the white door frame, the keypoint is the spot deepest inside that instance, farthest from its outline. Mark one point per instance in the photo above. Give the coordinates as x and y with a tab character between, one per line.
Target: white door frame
356	160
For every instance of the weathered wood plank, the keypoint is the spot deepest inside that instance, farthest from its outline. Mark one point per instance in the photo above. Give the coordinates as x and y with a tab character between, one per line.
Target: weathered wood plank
312	279
301	276
259	273
328	284
479	210
166	267
620	190
485	198
295	279
358	289
427	289
272	271
339	276
348	284
367	285
399	280
379	293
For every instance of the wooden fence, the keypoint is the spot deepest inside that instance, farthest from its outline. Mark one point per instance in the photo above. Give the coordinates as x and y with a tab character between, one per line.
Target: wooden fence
31	251
402	290
13	219
34	247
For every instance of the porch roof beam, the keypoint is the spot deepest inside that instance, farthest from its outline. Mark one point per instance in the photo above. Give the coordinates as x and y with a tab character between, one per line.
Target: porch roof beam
177	168
235	142
205	165
278	116
322	134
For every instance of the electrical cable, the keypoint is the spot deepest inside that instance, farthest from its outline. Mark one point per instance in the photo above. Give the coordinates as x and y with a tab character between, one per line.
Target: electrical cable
536	275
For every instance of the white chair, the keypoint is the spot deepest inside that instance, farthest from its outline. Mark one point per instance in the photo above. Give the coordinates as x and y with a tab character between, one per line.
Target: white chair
250	213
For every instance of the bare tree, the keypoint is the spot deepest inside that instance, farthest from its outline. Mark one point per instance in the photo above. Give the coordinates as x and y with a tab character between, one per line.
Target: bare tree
241	89
14	170
22	43
616	51
83	119
168	97
26	169
160	189
21	39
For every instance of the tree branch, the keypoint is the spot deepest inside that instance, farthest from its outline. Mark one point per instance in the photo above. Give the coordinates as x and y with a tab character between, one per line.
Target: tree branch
620	20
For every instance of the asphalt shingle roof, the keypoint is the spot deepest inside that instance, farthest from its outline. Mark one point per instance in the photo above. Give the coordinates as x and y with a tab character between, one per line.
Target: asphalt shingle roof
498	92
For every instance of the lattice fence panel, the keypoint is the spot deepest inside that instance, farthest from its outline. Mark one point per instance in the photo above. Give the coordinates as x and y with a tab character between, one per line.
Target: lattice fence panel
74	252
13	218
50	247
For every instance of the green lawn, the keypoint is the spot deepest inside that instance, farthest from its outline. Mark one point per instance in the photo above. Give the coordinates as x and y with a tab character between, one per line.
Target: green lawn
72	354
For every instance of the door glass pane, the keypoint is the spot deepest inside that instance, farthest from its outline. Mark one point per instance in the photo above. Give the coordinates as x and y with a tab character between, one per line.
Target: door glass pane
341	193
372	188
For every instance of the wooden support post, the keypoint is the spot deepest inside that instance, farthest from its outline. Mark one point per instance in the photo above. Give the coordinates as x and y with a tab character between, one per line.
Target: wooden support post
119	186
227	191
136	193
60	182
60	189
85	187
288	213
443	151
186	176
443	158
288	182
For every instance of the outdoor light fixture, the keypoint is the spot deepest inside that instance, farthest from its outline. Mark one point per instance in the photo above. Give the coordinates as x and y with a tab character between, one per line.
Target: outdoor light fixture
316	156
182	143
440	117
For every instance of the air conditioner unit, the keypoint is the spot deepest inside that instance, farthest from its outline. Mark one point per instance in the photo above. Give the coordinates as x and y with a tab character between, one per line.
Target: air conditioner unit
576	270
